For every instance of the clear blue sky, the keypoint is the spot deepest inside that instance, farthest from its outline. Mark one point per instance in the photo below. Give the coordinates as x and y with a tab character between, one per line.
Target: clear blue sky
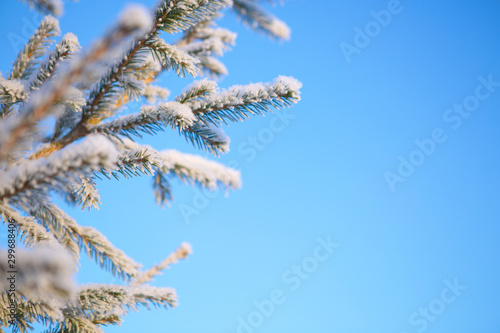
421	256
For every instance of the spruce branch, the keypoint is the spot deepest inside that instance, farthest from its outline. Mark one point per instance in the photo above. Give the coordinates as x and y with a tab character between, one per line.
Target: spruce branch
207	137
54	7
197	90
28	313
258	19
96	245
40	103
150	120
192	170
87	195
238	102
57	171
181	253
43	275
204	42
28	228
212	67
64	50
11	91
102	98
49	27
36	165
206	30
57	223
75	324
208	46
154	296
172	58
177	15
104	303
196	170
162	190
170	16
136	160
151	93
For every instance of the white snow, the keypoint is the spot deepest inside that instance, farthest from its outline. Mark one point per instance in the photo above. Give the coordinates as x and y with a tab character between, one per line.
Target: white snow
172	56
43	274
210	45
152	92
224	35
51	20
136	17
69	43
209	173
13	88
278	28
179	111
220	136
251	93
182	252
74	96
174	113
56	6
288	83
117	256
132	151
205	85
186	247
93	153
214	64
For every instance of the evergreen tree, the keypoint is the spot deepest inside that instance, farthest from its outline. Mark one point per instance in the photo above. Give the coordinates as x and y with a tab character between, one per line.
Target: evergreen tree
83	90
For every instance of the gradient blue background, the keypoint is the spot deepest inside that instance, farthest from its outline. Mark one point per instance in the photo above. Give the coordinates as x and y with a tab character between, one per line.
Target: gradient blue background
324	175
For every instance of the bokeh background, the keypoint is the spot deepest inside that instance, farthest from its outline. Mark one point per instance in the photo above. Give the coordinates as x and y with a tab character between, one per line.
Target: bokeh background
323	174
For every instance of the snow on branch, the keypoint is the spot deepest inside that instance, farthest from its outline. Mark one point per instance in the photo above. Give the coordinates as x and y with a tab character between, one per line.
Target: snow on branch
105	254
151	93
196	90
207	137
49	27
30	231
11	91
66	48
194	169
212	66
29	312
96	300
177	15
150	120
76	324
58	224
181	253
208	46
170	16
224	35
136	18
41	102
255	17
87	194
170	57
43	275
136	159
54	7
59	170
95	244
207	41
155	296
237	102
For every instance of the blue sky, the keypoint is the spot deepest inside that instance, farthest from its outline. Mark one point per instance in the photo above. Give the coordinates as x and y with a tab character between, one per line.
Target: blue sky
417	256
